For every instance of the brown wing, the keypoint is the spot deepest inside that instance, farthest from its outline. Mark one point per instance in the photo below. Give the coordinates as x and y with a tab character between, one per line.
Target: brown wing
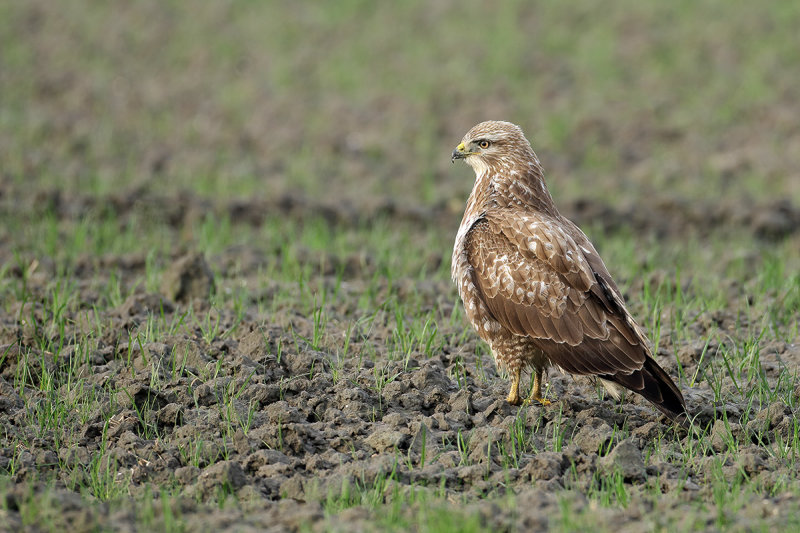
537	281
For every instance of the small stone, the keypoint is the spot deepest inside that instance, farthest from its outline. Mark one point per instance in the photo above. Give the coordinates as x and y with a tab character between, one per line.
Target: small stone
625	458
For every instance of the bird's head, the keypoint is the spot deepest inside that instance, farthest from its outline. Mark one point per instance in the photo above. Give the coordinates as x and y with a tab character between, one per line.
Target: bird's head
506	167
490	143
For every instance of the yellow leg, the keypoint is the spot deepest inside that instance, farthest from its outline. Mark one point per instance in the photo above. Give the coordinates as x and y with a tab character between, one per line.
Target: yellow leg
536	394
513	396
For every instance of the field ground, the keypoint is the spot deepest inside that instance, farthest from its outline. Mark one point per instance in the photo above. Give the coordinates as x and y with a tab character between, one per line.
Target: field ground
225	233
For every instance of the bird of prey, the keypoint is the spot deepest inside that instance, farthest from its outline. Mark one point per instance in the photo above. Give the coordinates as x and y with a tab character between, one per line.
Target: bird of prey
535	288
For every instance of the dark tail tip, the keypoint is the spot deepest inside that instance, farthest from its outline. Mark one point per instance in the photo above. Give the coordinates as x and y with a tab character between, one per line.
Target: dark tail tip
656	386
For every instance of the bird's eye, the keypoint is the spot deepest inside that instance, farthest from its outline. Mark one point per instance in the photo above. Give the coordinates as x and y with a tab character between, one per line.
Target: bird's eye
484	144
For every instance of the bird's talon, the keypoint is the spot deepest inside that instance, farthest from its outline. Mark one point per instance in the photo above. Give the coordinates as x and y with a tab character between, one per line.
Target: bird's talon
514	400
544	402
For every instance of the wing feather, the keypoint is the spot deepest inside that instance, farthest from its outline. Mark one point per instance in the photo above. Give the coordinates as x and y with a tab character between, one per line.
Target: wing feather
537	281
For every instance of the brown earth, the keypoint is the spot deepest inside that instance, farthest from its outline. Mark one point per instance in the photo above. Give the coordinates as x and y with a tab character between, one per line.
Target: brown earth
281	425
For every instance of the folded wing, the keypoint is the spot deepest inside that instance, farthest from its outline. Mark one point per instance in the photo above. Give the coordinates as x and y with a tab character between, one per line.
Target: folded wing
537	281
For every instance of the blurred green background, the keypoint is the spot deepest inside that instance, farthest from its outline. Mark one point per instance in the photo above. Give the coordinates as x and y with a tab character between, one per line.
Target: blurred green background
354	100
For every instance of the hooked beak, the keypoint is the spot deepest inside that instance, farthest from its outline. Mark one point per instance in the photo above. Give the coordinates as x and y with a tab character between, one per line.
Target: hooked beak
459	153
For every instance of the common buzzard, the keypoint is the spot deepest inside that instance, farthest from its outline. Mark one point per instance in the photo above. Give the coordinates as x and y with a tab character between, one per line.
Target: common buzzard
535	288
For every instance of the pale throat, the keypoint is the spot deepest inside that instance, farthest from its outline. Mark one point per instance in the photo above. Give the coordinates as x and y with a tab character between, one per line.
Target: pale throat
508	182
478	165
489	179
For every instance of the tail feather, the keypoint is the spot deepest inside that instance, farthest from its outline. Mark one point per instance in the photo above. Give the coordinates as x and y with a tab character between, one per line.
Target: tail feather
656	386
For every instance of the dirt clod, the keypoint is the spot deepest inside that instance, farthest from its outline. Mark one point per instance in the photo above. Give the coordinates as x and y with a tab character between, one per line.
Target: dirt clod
386	439
625	458
188	278
593	435
225	475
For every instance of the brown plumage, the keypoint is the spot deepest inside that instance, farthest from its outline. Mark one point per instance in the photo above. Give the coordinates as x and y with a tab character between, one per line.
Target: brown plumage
535	288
